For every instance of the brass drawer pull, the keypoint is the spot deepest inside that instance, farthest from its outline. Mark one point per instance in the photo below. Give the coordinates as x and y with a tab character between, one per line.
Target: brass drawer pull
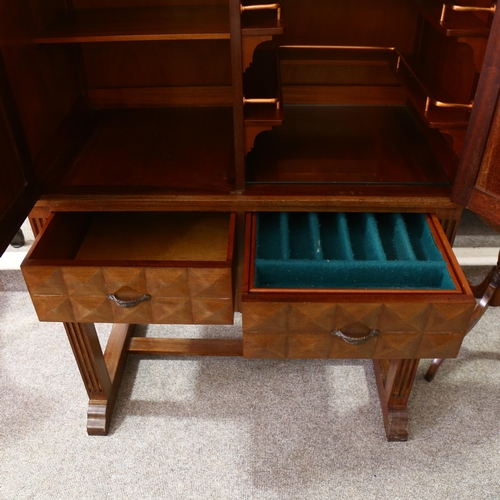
270	6
355	340
126	304
464	8
264	100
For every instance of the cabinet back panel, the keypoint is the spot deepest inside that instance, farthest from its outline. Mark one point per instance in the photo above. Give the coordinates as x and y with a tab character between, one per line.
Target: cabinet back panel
179	148
157	64
337	73
385	23
44	80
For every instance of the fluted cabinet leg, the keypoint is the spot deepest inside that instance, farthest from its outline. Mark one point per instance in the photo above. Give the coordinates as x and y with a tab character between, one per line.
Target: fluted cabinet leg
101	373
394	382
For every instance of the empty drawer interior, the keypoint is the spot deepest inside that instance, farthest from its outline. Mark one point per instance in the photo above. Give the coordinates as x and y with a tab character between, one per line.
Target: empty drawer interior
137	236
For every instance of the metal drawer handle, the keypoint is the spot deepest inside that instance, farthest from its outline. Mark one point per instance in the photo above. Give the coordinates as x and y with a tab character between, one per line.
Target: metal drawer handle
271	6
355	340
464	8
264	100
128	303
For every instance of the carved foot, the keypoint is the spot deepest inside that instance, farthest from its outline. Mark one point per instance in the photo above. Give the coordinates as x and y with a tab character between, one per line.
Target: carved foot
396	424
394	382
101	373
98	418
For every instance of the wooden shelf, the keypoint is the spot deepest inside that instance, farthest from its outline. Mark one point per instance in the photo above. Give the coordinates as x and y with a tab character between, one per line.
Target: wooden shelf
456	24
258	27
168	150
339	75
422	88
262	23
263	115
140	24
379	145
367	75
261	83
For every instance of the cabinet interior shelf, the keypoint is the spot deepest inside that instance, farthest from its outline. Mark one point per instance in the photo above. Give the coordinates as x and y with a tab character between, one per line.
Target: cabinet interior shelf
195	22
451	23
328	72
345	145
192	22
261	23
424	90
263	115
167	149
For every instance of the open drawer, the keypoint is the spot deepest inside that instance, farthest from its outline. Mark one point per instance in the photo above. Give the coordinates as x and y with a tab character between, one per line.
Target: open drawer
132	268
356	285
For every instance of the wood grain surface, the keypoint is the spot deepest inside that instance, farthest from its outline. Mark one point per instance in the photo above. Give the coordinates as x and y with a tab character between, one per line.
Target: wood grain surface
144	23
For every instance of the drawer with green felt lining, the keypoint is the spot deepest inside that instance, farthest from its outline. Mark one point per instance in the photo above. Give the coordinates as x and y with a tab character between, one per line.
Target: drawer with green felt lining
352	285
356	250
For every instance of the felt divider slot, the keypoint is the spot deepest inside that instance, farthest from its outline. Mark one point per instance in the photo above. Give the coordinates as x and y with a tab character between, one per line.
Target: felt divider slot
315	235
395	238
285	236
354	250
270	231
365	239
421	238
301	242
335	238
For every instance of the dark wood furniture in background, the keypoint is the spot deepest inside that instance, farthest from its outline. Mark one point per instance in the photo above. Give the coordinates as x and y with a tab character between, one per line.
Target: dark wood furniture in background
123	111
489	295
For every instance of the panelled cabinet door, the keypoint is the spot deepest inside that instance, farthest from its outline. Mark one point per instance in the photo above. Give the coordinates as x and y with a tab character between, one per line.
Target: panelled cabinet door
477	186
18	187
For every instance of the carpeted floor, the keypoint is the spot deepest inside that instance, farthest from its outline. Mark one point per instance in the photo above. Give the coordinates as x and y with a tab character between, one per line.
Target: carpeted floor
229	428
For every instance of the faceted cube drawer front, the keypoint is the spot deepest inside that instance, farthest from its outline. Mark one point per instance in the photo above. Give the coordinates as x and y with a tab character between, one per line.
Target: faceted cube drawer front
382	286
99	272
304	330
178	295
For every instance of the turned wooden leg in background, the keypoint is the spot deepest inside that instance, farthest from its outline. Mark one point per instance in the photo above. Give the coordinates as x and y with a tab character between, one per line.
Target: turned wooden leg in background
433	368
101	373
394	382
489	295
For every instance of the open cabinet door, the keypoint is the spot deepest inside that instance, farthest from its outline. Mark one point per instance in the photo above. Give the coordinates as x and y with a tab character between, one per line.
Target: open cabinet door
19	188
477	186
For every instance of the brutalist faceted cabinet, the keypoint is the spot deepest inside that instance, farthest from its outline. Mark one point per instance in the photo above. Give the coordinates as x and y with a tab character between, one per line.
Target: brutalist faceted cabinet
303	163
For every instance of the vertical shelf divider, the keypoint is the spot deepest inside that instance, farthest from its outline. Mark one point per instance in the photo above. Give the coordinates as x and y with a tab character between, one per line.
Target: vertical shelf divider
237	85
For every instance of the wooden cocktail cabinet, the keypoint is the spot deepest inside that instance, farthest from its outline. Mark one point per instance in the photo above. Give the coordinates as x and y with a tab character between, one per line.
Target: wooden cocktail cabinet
303	163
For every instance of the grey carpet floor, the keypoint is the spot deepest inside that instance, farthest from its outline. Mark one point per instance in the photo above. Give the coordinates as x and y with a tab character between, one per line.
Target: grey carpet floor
227	428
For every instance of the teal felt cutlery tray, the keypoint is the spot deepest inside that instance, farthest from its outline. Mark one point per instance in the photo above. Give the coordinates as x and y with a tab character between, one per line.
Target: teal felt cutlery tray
348	250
